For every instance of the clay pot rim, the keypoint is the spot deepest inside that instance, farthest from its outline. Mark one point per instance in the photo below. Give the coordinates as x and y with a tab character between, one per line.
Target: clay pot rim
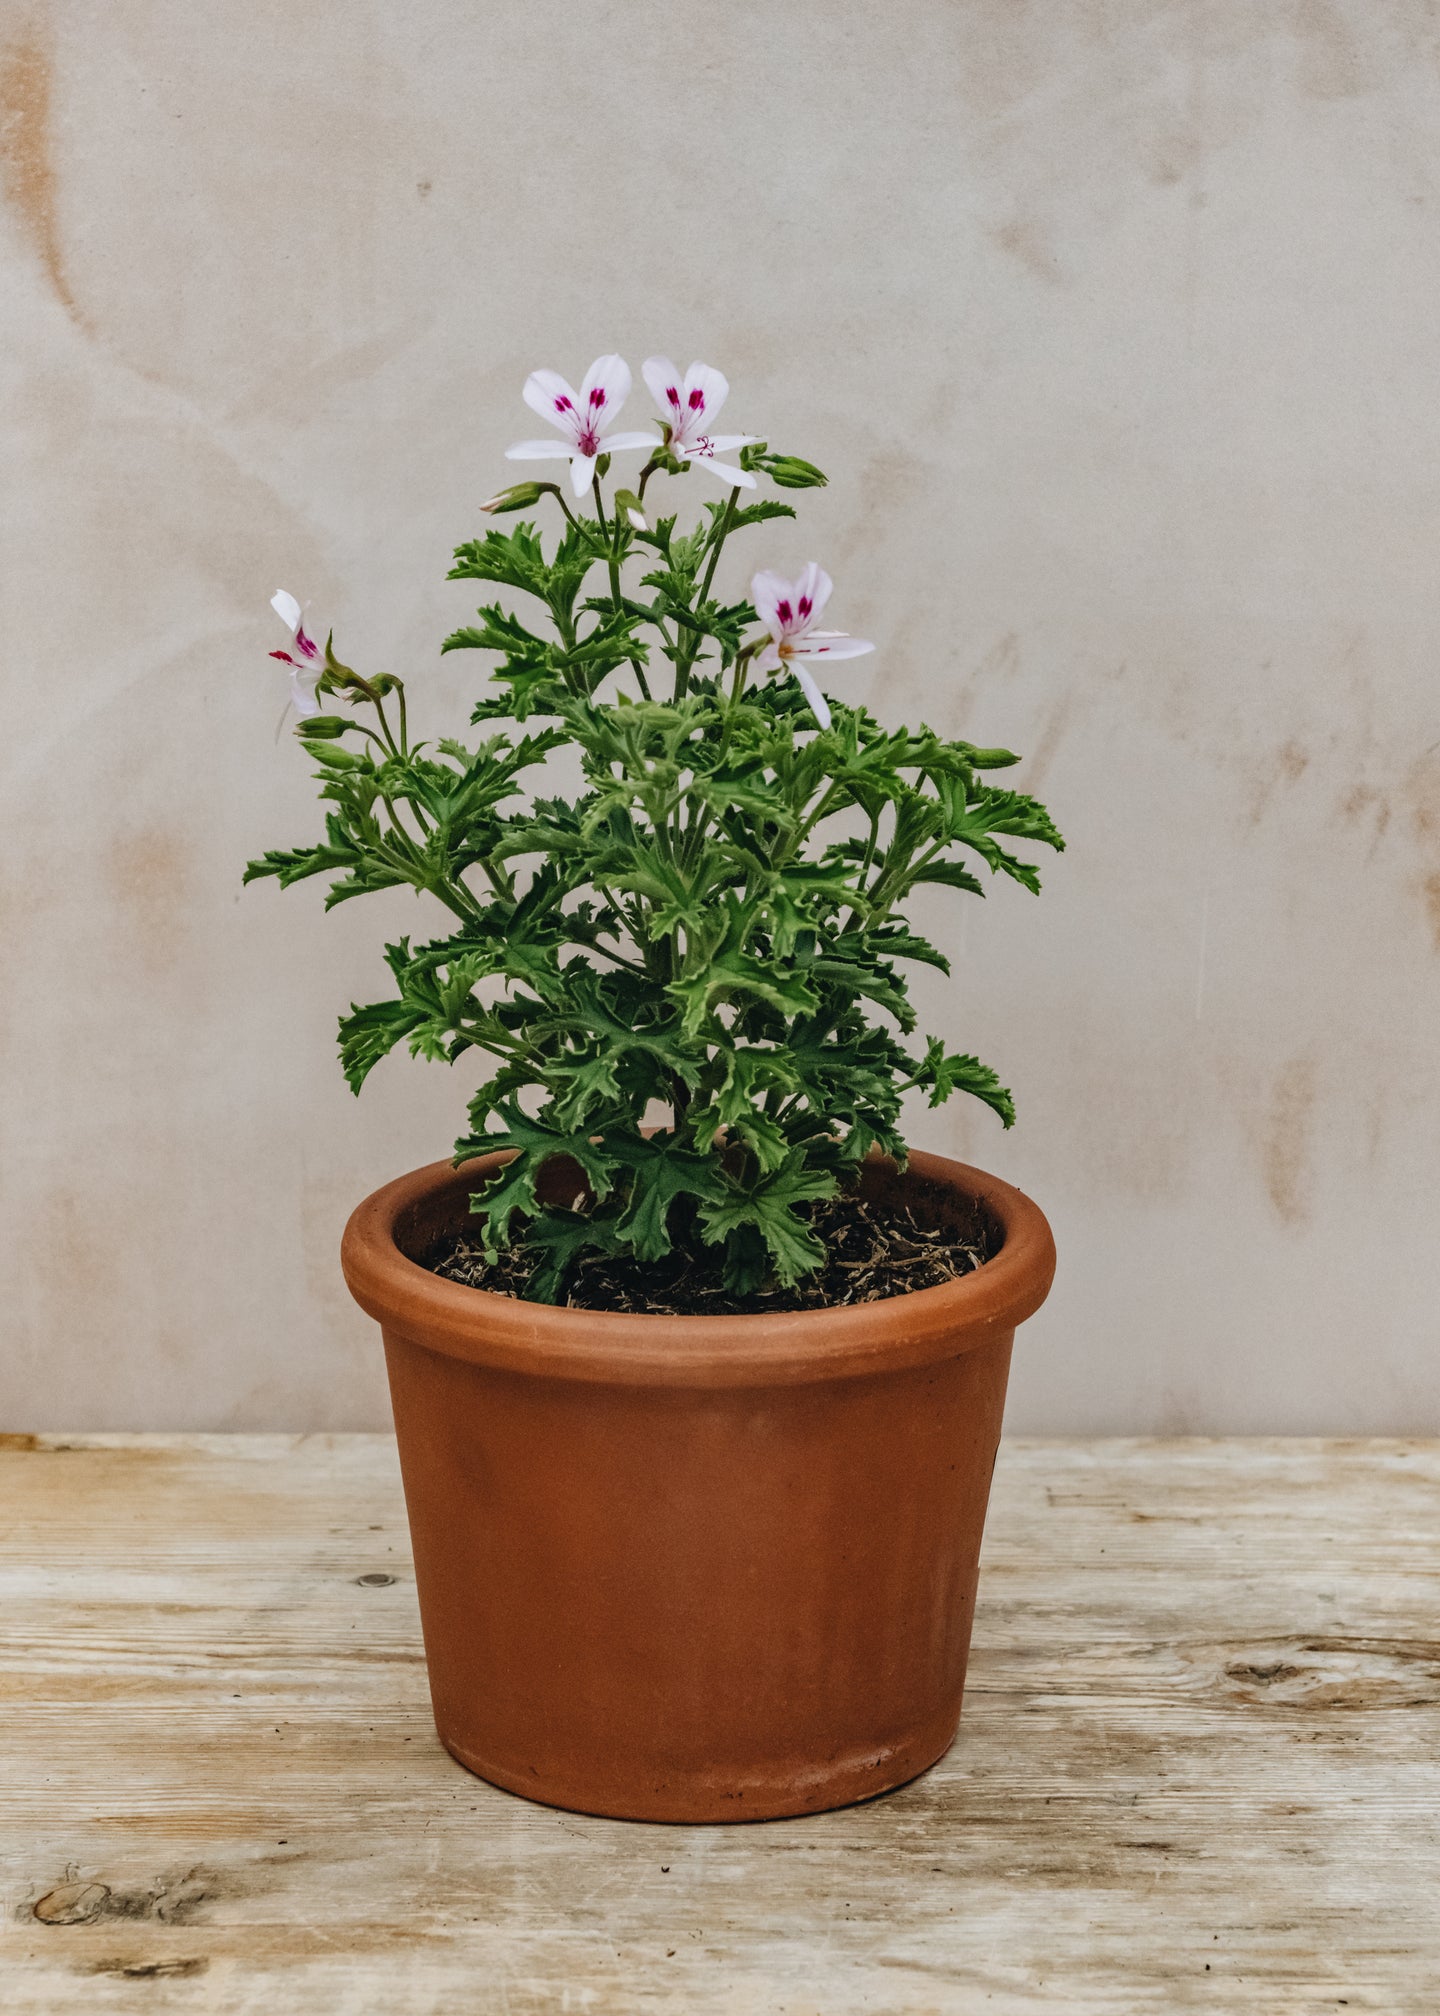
785	1348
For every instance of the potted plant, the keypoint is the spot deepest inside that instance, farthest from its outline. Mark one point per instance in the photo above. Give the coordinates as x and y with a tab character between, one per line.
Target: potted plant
696	1380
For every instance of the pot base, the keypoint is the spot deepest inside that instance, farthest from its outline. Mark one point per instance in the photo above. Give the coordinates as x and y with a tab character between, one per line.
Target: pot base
724	1797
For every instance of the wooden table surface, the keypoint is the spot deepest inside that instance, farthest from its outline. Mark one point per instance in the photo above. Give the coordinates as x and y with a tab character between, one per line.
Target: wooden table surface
1199	1766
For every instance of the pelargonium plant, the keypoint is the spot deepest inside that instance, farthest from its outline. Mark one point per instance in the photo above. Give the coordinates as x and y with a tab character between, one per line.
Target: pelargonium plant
711	935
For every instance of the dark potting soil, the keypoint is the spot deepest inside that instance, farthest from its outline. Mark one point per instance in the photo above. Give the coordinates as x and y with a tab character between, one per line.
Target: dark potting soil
874	1249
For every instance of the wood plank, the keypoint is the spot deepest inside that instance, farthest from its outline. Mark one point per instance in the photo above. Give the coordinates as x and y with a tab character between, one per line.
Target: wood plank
1199	1767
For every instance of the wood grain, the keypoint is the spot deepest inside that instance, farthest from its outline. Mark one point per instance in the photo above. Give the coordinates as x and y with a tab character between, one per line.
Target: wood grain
1199	1767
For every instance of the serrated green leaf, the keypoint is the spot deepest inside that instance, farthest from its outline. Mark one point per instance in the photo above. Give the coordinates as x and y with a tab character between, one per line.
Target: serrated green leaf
793	1248
951	875
512	1188
661	1172
558	1238
946	1072
368	1034
732	973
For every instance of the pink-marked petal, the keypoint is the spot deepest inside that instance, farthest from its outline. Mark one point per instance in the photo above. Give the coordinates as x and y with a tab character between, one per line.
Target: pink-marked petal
549	395
818	705
666	387
706	391
813	588
603	392
831	645
304	678
767	592
539	451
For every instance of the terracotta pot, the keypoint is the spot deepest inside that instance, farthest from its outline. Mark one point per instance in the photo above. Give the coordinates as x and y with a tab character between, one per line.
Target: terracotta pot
696	1567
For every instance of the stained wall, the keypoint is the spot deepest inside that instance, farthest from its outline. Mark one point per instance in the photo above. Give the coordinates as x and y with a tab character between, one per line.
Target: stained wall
1116	327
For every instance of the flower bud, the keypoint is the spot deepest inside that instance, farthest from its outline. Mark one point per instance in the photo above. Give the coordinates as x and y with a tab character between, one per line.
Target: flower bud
519	497
791	473
629	503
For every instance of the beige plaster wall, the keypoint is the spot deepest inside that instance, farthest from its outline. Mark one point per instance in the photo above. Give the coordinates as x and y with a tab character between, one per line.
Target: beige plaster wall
1116	324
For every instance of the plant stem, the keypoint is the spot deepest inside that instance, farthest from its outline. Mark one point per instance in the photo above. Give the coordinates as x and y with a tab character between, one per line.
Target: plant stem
594	945
614	562
372	694
679	1100
722	529
722	532
742	673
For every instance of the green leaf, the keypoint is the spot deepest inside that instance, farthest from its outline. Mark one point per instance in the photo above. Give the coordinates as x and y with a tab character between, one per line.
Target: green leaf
751	514
768	1207
661	1172
500	631
368	1034
583	1084
973	821
514	559
296	864
733	973
893	941
512	1188
859	977
559	1237
737	1110
950	874
946	1072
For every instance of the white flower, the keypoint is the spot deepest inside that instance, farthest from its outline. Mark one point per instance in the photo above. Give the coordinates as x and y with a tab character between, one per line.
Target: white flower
789	610
306	670
688	405
582	418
